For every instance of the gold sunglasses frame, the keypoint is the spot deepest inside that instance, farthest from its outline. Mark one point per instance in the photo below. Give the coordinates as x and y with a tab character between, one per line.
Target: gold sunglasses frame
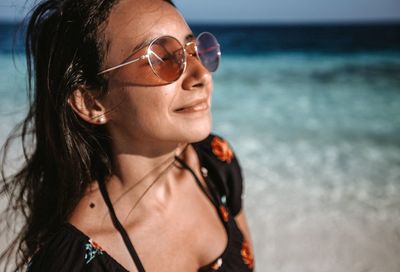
150	52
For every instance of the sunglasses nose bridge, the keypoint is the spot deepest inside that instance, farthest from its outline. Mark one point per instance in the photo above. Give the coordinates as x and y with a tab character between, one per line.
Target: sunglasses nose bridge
193	51
190	48
189	51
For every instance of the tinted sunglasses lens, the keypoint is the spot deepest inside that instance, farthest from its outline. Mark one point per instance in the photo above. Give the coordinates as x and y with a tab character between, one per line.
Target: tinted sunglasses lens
167	58
208	51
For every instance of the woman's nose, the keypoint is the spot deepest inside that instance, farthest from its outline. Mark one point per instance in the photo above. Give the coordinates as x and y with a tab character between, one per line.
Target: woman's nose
196	75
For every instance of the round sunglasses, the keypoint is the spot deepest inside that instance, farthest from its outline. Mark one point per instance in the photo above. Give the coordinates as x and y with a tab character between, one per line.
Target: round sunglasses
167	56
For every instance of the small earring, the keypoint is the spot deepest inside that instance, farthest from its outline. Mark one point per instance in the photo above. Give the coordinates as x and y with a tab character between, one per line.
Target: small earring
101	120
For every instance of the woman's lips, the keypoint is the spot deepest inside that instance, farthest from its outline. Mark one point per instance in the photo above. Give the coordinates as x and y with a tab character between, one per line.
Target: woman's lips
198	106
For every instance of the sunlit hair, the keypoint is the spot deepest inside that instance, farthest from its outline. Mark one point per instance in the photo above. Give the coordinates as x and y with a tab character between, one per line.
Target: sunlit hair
65	46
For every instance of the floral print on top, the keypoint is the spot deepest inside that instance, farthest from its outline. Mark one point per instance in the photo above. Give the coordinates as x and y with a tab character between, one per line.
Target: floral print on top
224	213
221	149
248	258
92	250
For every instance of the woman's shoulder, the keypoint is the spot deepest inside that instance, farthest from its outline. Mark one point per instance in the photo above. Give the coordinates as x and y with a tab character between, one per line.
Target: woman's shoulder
218	159
71	250
217	148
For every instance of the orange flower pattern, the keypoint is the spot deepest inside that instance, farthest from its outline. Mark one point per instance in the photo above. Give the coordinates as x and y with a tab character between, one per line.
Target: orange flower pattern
221	149
224	213
246	255
95	245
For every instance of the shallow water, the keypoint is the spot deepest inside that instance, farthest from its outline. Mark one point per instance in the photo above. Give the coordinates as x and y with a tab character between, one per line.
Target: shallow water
318	139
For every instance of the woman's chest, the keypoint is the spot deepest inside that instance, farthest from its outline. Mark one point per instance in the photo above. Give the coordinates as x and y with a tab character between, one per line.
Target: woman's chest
183	236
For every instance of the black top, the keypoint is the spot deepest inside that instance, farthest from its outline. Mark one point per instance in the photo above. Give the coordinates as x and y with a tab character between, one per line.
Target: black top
71	250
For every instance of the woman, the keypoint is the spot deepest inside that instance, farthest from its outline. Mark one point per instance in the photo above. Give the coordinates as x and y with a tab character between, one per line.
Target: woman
124	174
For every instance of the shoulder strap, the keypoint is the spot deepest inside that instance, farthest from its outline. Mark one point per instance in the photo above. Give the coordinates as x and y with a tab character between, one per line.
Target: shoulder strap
119	227
212	192
225	175
219	182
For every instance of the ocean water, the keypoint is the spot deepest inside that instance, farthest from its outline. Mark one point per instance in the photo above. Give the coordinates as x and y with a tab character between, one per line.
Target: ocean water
313	114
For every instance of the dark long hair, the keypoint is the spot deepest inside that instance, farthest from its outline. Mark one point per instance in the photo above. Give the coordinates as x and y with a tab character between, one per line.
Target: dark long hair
62	154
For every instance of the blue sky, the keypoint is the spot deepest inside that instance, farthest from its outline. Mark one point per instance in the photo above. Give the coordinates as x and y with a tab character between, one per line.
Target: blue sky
269	11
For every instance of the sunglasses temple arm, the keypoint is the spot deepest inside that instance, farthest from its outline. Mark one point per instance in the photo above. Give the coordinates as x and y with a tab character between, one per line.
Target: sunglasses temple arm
121	65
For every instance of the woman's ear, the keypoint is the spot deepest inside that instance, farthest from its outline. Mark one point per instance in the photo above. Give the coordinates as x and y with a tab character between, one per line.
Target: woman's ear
87	106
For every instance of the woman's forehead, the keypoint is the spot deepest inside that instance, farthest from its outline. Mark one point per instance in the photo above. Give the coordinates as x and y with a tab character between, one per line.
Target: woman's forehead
133	23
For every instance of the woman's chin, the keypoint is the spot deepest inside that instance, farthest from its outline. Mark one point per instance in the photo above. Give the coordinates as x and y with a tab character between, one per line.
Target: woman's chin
197	133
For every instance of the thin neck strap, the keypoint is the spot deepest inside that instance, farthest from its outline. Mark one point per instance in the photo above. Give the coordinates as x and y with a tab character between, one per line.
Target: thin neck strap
119	227
187	167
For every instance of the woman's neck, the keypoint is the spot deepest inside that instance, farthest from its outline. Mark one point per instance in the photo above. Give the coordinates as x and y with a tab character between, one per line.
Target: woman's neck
141	164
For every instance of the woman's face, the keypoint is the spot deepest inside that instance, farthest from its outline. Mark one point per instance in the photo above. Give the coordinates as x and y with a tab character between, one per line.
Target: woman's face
140	106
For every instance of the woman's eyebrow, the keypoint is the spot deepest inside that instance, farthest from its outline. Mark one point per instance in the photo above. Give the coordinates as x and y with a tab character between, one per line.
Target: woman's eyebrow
189	37
141	45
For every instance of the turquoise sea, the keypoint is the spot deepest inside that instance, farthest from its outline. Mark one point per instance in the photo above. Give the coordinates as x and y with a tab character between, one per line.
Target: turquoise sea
313	113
